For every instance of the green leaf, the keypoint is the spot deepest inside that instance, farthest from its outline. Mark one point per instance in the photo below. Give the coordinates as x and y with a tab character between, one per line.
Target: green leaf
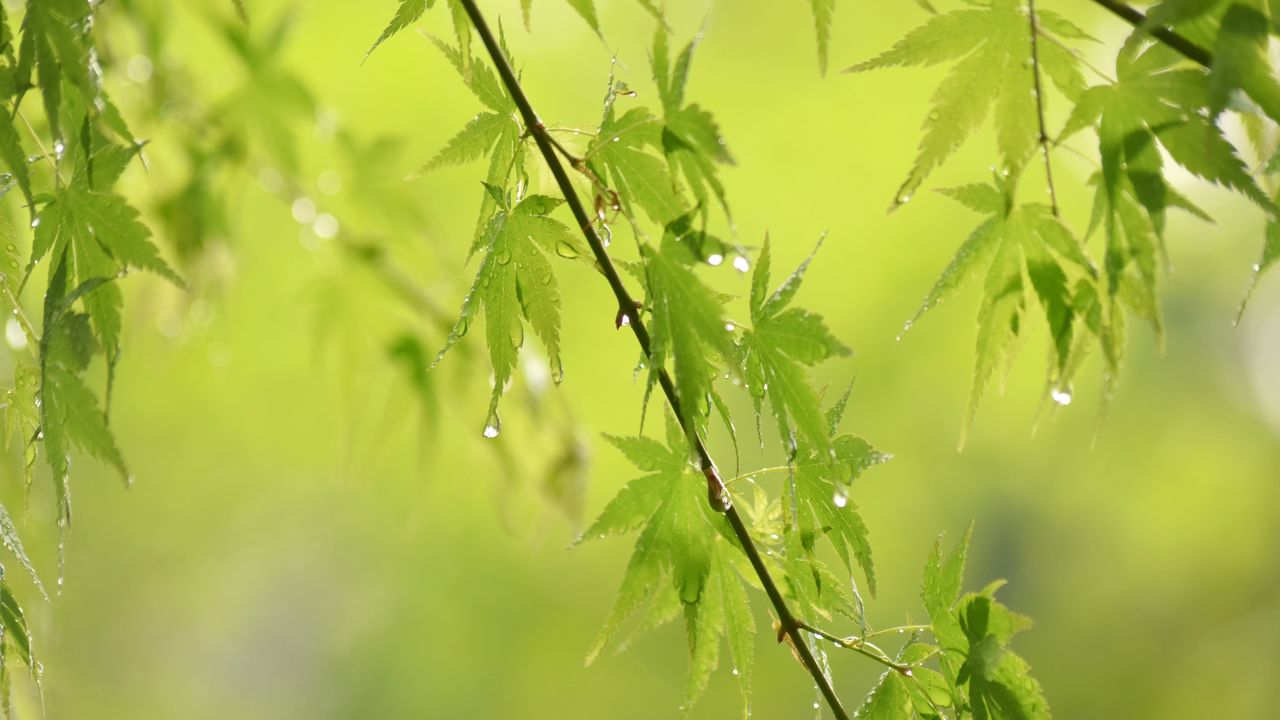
474	141
690	137
619	156
993	50
889	700
687	328
9	538
1240	61
407	14
515	285
822	12
16	632
780	341
683	546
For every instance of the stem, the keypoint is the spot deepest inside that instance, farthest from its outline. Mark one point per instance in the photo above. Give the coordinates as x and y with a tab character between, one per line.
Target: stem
1167	36
861	647
1039	87
627	306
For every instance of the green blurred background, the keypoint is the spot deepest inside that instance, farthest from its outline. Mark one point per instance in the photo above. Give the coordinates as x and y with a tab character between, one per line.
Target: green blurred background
305	540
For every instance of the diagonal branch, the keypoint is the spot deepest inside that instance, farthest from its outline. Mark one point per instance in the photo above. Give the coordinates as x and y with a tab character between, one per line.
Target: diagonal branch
1165	35
628	308
1039	88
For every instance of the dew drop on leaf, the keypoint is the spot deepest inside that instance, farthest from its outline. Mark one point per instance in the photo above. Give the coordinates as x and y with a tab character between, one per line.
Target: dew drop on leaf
715	259
566	250
503	256
1061	396
35	223
741	263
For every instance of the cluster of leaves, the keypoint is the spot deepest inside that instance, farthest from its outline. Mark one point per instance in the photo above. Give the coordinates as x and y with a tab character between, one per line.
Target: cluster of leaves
659	172
1159	104
63	158
978	676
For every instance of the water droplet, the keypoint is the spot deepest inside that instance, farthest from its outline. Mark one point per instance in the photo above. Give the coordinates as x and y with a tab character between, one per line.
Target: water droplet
566	250
14	336
624	319
730	327
59	148
901	630
1061	396
516	334
773	536
741	263
903	199
715	259
935	116
907	672
557	370
840	497
35	223
816	705
735	672
493	425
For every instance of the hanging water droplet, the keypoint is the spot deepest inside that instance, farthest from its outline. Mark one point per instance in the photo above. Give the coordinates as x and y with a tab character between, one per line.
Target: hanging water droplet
735	672
35	223
516	334
907	672
59	148
903	198
840	497
730	327
493	425
715	259
624	319
557	370
741	263
1061	396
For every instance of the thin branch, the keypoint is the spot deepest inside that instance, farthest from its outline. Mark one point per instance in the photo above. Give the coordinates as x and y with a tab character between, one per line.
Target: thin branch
861	647
1165	35
627	306
1039	87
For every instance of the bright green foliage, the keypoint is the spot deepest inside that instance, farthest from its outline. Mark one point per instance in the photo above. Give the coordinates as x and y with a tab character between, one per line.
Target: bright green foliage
822	12
993	48
497	133
683	554
514	285
780	342
691	138
987	680
407	14
1027	255
687	325
1156	103
622	154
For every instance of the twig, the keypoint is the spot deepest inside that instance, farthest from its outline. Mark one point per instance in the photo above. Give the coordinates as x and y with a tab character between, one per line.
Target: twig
1165	35
627	306
1035	74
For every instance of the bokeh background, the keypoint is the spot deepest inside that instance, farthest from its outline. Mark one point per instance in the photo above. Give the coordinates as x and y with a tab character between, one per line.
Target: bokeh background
314	534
